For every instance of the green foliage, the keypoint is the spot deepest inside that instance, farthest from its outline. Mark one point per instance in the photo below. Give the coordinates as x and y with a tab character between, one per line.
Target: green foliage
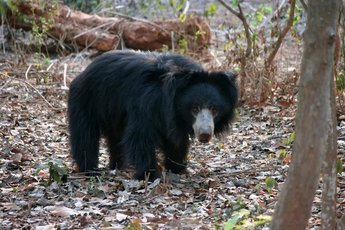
182	17
298	14
339	166
234	2
165	48
177	8
159	5
282	153
135	225
227	46
40	25
177	5
82	5
289	140
182	46
57	173
93	187
57	170
145	7
211	9
199	33
258	221
257	17
155	8
233	214
262	219
340	81
240	218
41	60
270	183
261	11
40	30
7	5
235	218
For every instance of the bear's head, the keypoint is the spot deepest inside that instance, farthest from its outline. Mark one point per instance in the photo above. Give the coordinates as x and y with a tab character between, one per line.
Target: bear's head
205	102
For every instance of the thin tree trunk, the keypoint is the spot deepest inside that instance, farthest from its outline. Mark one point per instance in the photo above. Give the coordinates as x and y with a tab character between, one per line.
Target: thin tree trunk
313	117
329	168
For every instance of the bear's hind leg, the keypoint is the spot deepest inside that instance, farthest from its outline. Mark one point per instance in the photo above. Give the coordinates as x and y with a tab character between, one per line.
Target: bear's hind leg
116	159
84	138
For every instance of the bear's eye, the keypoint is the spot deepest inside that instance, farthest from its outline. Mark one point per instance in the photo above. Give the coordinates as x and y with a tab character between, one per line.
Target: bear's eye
195	109
214	111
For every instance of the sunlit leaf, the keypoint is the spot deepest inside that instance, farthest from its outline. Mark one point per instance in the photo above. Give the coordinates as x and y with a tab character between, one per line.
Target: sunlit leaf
270	183
231	223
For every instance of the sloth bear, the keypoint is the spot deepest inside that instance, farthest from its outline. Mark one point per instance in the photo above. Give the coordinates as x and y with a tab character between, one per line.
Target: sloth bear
140	101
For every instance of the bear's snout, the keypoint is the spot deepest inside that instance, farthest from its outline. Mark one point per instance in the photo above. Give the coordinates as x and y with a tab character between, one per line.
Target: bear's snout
204	137
204	126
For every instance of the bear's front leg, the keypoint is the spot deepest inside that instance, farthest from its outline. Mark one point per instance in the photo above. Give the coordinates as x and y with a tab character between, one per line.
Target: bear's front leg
176	155
139	148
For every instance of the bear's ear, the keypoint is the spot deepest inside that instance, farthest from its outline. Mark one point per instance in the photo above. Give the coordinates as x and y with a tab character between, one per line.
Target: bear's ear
226	81
174	82
223	77
231	75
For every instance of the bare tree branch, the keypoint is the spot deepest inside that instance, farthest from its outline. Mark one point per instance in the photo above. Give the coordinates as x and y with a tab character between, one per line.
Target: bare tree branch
282	35
227	6
246	26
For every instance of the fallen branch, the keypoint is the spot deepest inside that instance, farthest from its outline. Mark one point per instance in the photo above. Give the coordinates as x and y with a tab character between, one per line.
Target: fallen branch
103	34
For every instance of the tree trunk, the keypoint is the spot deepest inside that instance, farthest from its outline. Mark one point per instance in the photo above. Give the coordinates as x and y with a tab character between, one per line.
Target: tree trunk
313	118
109	33
329	168
329	171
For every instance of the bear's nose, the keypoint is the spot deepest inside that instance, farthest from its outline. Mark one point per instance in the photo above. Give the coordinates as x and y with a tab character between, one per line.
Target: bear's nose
204	137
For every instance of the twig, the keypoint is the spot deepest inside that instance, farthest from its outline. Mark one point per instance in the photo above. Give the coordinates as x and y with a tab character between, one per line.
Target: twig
142	20
246	31
250	171
2	35
65	76
227	6
19	73
50	66
172	42
94	28
186	8
276	14
177	163
38	92
121	41
27	72
5	83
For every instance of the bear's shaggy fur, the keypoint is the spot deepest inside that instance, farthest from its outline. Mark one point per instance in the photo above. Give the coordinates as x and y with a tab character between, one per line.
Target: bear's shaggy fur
142	101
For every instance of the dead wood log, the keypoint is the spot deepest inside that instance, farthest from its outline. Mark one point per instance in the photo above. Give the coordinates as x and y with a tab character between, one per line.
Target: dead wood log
104	33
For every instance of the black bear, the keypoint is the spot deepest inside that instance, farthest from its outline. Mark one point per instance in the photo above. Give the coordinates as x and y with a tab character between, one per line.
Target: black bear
140	101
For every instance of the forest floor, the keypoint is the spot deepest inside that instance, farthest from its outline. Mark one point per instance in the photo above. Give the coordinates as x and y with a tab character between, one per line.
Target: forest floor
236	178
